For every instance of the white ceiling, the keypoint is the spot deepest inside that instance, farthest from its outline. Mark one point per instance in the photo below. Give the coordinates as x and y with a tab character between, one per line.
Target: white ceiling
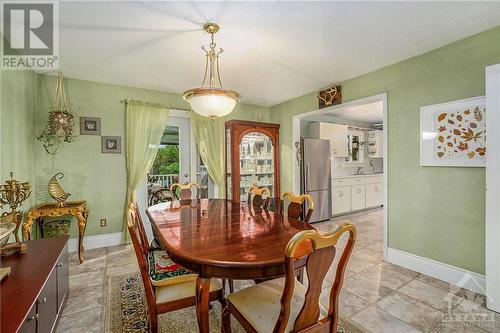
372	113
365	115
274	51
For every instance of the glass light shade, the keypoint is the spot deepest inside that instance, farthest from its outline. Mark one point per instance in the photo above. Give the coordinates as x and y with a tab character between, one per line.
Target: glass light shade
210	102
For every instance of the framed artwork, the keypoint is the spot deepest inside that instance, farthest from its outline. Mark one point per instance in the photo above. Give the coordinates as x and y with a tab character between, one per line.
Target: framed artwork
454	133
111	144
90	126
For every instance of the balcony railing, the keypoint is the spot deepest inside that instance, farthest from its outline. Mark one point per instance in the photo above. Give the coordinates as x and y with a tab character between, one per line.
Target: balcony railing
163	180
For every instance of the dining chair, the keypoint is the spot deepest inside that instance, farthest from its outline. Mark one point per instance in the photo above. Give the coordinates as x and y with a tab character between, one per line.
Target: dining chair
295	205
162	270
185	191
174	293
256	197
177	205
286	305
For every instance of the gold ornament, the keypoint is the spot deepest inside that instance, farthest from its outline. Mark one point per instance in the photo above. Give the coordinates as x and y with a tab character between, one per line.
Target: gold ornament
56	191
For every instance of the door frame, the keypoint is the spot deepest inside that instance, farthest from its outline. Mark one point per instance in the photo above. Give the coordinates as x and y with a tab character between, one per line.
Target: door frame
296	138
192	144
492	223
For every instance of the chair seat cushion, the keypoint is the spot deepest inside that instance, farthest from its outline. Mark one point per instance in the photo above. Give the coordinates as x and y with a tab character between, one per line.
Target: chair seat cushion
261	304
163	271
181	290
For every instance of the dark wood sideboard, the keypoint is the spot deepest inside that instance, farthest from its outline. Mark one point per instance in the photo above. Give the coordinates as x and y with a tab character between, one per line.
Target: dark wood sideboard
33	295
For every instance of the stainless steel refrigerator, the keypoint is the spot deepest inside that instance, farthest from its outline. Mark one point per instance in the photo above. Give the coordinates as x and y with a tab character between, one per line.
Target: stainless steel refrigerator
315	176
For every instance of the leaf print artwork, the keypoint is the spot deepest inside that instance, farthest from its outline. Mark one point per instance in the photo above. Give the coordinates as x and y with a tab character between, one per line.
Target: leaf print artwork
478	115
441	116
462	134
481	151
463	146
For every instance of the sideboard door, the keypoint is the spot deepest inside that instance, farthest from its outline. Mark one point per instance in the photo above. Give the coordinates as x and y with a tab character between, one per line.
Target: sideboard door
62	268
29	325
47	304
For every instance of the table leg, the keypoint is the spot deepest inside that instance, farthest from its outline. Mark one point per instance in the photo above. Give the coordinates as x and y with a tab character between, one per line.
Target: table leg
82	222
202	298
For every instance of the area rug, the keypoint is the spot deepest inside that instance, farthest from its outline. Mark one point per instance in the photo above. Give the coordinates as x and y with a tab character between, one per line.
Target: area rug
126	311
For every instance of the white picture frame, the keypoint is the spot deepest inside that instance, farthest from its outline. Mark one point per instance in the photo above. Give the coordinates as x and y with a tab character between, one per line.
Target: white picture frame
453	134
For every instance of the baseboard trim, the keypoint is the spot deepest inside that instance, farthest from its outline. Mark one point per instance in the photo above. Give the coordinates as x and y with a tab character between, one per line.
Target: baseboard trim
455	275
97	241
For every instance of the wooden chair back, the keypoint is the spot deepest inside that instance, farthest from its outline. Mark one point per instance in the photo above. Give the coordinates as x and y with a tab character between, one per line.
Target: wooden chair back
140	226
256	197
318	263
134	229
296	204
185	191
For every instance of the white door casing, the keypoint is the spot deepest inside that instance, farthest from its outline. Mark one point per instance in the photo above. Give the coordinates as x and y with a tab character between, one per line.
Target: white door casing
492	227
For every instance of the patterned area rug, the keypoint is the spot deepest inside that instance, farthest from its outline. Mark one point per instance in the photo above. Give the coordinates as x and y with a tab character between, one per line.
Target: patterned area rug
126	311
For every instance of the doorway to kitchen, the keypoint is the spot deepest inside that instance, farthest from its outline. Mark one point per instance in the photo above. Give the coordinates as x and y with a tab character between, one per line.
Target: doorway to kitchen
357	134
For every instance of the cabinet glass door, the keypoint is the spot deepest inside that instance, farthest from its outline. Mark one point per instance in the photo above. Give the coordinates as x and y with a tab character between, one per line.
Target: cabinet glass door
256	163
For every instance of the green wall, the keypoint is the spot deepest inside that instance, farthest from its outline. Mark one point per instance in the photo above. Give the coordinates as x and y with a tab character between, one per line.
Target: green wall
17	123
88	174
434	212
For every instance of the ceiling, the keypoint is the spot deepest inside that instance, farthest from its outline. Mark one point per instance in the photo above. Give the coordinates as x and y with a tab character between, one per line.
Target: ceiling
372	113
364	115
274	51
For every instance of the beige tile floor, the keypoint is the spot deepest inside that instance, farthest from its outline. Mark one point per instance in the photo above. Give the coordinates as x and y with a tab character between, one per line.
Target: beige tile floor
380	296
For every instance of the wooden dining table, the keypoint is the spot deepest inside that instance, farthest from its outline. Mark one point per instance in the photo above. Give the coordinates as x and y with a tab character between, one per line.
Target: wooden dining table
218	238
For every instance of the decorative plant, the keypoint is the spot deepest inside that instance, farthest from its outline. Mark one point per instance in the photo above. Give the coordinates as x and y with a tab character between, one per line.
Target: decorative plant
59	126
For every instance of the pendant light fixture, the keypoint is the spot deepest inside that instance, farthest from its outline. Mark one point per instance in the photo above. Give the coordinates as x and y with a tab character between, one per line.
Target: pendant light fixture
211	100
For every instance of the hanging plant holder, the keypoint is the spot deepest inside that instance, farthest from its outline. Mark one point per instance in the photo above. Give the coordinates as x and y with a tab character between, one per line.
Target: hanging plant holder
59	126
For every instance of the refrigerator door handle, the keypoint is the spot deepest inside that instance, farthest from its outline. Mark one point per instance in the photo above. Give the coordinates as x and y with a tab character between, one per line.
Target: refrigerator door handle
306	182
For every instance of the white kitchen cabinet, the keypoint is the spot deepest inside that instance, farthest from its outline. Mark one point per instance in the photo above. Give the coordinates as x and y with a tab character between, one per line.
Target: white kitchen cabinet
335	133
341	199
374	194
376	144
358	199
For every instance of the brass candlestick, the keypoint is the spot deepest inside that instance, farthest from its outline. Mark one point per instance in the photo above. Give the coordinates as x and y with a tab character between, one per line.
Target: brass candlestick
14	193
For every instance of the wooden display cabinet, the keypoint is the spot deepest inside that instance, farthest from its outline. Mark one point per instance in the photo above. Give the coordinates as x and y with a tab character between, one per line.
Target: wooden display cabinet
252	157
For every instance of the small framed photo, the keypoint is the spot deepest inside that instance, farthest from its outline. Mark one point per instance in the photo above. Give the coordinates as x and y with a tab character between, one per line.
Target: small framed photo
111	144
90	126
454	133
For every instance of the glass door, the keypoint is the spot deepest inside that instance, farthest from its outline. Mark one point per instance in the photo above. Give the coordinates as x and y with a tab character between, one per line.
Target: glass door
256	163
172	163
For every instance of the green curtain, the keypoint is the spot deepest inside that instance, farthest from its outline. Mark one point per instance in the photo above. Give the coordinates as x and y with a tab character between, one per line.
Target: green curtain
145	124
209	136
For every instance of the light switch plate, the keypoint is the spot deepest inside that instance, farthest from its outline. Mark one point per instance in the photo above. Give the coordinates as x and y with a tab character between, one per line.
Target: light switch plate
103	222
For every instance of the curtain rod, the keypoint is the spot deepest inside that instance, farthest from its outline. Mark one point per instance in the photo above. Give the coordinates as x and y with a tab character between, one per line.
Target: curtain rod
133	101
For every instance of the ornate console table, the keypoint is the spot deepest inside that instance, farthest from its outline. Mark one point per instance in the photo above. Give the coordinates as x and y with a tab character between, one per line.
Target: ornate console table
76	208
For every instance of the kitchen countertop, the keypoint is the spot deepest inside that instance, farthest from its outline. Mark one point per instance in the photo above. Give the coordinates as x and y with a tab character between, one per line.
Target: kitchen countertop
358	176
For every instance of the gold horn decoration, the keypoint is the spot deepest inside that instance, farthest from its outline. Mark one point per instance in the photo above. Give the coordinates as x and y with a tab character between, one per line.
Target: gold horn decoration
56	191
